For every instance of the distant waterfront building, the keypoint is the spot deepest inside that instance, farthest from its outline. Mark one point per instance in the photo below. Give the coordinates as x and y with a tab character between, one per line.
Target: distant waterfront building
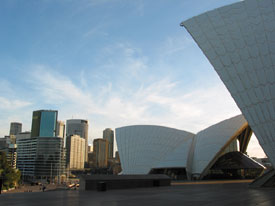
15	128
23	135
91	159
101	153
60	129
108	134
117	156
90	148
44	123
75	146
79	127
3	143
26	156
8	146
12	155
41	157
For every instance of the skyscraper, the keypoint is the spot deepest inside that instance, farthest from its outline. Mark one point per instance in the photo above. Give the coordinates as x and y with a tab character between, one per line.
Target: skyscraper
101	152
75	146
108	134
41	157
44	123
60	129
15	128
79	127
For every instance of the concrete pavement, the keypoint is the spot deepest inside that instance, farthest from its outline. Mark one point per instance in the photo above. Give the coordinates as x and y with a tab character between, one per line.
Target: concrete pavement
203	194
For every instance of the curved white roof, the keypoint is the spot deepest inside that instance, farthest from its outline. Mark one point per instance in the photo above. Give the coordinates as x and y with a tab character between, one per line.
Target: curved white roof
239	41
142	147
210	143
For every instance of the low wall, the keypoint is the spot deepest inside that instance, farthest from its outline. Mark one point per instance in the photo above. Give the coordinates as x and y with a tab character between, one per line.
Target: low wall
112	182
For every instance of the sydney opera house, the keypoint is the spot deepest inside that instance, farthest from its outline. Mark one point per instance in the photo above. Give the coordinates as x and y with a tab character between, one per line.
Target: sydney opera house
239	42
217	151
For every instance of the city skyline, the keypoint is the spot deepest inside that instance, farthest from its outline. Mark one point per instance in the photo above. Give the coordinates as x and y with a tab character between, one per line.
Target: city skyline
113	63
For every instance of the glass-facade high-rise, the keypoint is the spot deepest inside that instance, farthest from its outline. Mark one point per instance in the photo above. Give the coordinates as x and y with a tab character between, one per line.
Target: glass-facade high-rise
50	158
108	134
44	123
41	158
79	127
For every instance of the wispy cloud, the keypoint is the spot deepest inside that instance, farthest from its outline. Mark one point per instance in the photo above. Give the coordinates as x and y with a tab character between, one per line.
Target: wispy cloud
56	88
175	44
12	104
123	60
161	102
9	97
200	107
95	31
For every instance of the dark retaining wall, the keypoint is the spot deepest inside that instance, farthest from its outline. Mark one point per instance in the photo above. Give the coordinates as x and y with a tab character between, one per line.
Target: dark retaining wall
111	182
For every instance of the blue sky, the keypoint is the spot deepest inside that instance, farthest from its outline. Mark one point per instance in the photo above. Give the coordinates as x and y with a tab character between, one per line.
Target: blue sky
113	62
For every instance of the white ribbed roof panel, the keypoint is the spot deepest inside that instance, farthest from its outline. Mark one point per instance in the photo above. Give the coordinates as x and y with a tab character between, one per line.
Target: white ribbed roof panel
178	157
239	41
210	141
141	147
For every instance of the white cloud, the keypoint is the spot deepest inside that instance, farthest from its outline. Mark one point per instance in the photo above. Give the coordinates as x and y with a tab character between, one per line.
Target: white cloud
12	104
129	59
162	102
55	87
201	107
175	44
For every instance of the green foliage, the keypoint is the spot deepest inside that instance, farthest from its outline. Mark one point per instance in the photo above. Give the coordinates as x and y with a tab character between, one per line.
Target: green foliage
9	175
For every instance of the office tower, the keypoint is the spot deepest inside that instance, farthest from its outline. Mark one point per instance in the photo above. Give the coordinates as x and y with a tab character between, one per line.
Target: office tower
26	156
108	134
15	128
101	153
75	146
79	127
41	158
44	123
60	129
50	158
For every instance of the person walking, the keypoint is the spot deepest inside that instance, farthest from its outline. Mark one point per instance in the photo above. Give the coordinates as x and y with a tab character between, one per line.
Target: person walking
43	188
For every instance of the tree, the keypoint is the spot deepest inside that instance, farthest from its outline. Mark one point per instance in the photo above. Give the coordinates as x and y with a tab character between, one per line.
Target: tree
9	175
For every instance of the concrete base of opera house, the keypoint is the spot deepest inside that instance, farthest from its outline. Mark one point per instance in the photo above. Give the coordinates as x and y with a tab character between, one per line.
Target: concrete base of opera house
112	182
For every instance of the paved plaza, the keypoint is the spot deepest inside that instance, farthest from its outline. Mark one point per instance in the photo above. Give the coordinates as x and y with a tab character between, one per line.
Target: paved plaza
182	194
